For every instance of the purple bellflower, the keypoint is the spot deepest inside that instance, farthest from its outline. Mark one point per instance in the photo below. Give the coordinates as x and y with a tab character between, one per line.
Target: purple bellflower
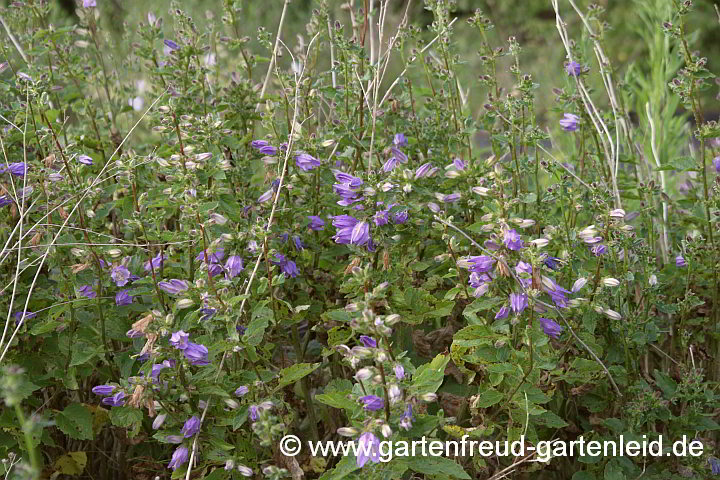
368	449
372	402
288	267
569	123
174	286
179	457
123	298
191	427
550	327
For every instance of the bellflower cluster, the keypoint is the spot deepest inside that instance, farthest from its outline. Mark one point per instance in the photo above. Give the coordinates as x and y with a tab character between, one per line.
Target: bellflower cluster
264	147
116	400
306	162
569	122
287	266
195	353
397	155
347	188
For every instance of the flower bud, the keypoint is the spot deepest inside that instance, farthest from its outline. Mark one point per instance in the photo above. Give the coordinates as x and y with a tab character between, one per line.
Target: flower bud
386	431
347	431
540	242
394	393
612	314
617	213
363	374
653	280
579	283
229	464
115	252
184	303
610	282
159	420
482	191
428	397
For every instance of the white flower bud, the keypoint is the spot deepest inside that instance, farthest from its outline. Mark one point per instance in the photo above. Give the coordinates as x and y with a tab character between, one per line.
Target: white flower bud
428	397
115	252
612	314
482	191
526	223
394	393
363	374
407	188
232	404
653	280
218	219
159	420
245	471
347	431
610	282
392	319
184	303
579	283
386	431
588	232
540	242
617	213
328	143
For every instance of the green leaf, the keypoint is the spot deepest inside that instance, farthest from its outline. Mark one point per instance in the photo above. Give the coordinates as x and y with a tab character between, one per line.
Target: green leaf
489	398
429	377
217	474
71	464
474	336
440	466
665	383
338	336
583	476
336	400
344	468
680	164
549	419
256	329
125	416
295	372
46	326
76	422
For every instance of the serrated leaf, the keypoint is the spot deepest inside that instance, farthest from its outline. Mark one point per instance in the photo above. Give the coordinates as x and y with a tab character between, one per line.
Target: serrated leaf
73	463
488	398
295	372
429	377
336	400
76	421
665	383
440	466
256	329
125	416
344	468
